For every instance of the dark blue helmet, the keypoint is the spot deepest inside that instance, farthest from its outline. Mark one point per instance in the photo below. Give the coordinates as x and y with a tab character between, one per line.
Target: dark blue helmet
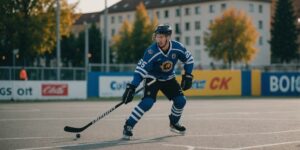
163	29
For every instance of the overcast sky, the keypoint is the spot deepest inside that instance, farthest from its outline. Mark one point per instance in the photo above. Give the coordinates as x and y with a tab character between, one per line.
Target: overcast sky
86	6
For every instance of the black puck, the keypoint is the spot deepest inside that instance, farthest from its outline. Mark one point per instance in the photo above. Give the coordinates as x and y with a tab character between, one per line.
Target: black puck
77	135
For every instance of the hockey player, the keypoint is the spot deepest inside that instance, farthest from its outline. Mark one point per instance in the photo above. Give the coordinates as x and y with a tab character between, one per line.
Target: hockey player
158	62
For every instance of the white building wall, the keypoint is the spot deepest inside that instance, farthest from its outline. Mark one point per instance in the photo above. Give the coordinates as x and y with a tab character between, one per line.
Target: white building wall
205	17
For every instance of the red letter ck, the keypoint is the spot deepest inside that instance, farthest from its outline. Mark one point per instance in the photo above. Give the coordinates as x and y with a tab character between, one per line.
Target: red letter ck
224	83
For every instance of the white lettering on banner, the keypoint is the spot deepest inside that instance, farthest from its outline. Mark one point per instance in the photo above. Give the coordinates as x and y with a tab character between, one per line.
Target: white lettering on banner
54	89
284	83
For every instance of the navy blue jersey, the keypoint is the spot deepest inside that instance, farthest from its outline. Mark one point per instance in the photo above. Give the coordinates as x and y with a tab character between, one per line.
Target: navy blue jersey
155	63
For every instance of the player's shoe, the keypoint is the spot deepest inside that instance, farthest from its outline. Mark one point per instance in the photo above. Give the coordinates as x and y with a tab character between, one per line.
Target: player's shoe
127	132
177	128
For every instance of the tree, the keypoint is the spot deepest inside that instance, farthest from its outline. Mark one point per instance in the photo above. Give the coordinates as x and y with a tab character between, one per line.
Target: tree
123	44
283	33
142	31
231	38
132	40
94	44
29	25
68	47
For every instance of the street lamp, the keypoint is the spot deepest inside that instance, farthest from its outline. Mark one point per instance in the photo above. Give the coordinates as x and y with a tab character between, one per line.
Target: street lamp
106	36
58	38
86	49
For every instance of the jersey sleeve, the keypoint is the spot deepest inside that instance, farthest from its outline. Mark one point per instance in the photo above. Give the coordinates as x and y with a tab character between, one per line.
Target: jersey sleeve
188	61
143	67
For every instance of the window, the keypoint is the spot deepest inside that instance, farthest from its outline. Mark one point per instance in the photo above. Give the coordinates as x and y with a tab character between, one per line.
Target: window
177	28
197	10
197	25
112	19
113	31
157	14
260	24
178	12
197	55
211	8
187	40
166	14
187	26
223	7
197	40
261	40
120	19
177	38
187	11
260	8
251	8
128	17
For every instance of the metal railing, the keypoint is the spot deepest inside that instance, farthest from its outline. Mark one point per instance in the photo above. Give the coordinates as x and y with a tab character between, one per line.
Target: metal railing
79	73
43	73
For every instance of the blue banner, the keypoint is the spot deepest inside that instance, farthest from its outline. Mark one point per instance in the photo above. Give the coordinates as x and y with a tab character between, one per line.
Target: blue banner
280	84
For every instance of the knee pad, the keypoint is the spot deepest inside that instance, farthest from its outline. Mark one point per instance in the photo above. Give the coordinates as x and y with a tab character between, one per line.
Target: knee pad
179	102
146	104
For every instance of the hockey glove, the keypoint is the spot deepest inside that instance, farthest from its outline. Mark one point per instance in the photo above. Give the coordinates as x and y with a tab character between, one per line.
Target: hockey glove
128	94
186	82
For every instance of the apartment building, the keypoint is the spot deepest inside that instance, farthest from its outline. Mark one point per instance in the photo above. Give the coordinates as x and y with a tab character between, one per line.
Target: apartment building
190	20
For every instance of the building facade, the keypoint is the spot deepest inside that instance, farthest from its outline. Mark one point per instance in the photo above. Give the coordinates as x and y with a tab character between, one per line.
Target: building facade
190	20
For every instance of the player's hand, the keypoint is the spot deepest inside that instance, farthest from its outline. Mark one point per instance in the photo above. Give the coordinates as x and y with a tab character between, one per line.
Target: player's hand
186	82
129	93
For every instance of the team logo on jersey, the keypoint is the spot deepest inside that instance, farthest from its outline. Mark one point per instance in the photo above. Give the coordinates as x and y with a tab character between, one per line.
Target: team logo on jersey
166	66
173	56
150	51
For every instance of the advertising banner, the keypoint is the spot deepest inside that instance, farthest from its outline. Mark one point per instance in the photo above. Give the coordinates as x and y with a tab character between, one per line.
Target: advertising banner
113	86
34	90
280	83
215	83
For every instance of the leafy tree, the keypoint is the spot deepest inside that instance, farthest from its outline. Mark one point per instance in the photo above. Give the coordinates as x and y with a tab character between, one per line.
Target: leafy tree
94	44
132	40
29	25
232	38
123	44
283	33
142	31
68	47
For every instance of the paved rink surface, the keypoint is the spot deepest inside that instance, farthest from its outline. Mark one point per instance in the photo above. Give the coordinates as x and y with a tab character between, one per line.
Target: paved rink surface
212	124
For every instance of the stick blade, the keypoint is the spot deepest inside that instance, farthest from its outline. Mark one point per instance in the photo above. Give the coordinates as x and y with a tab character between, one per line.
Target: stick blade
72	129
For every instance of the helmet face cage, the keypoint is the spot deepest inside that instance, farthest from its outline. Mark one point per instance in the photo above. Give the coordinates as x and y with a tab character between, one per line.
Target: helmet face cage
163	29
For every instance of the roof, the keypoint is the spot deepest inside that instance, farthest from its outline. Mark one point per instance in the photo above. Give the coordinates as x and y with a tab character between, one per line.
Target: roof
130	5
88	18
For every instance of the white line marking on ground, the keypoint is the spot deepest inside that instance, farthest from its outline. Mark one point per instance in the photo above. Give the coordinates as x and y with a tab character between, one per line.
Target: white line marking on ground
116	118
241	134
31	138
19	110
189	147
257	119
267	145
243	113
42	119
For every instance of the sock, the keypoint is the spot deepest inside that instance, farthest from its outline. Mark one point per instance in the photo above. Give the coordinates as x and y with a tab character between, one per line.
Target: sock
139	110
177	109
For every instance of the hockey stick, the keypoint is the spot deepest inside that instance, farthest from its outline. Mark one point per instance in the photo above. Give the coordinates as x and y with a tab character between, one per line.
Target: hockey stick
76	130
